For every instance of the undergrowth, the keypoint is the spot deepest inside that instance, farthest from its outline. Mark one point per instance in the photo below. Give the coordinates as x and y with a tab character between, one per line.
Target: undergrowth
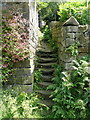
22	105
71	93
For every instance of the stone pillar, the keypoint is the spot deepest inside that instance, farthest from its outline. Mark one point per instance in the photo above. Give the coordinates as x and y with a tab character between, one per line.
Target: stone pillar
70	31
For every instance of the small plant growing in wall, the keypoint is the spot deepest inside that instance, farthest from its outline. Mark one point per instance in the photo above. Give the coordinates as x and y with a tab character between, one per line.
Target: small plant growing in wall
73	49
37	78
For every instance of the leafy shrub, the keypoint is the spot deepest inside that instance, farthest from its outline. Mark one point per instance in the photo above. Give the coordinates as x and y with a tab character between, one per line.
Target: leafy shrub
47	37
77	9
48	11
71	91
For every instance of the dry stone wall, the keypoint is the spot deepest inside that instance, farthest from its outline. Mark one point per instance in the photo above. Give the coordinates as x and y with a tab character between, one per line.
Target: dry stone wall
66	34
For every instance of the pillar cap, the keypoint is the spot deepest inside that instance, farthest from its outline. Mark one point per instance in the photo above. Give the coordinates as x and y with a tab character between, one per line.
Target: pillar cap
71	22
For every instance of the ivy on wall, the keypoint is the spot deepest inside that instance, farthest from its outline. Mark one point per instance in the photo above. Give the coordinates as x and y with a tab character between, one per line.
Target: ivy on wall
15	44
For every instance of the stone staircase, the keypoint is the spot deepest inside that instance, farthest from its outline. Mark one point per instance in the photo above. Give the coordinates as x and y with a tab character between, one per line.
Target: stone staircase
46	58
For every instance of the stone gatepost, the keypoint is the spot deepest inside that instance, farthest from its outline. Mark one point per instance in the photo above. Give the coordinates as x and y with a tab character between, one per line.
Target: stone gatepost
71	35
65	35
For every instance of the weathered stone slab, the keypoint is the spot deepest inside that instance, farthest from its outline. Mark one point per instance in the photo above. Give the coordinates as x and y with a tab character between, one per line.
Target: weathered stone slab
22	64
68	66
69	42
72	29
82	28
21	71
71	35
68	58
83	54
20	80
84	49
20	88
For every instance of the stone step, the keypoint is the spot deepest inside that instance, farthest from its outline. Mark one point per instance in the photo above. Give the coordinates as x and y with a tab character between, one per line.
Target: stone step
46	78
44	84
47	55
44	93
46	60
46	71
45	50
47	102
46	65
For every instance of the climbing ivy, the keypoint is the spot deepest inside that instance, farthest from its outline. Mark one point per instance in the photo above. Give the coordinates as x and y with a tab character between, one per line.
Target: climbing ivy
15	44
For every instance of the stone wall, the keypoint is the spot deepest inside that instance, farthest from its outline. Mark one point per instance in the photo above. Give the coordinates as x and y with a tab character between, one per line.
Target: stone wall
22	77
66	34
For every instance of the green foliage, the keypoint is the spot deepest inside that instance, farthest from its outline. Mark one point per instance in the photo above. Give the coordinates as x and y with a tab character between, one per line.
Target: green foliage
71	91
48	11
77	9
47	34
73	49
14	41
47	37
37	75
21	106
37	78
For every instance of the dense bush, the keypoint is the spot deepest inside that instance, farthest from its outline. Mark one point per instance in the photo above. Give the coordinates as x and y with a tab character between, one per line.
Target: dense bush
48	11
77	9
71	91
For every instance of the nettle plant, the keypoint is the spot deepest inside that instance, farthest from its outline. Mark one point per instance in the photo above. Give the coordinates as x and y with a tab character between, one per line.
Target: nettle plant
15	44
71	91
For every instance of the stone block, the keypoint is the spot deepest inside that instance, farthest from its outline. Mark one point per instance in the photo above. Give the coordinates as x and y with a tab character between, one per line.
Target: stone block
82	28
21	71
20	88
20	80
69	42
71	35
60	47
68	58
72	29
22	64
82	55
68	66
61	56
84	41
84	49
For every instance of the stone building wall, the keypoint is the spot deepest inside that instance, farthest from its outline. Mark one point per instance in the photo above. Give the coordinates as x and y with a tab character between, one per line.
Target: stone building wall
22	77
66	34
